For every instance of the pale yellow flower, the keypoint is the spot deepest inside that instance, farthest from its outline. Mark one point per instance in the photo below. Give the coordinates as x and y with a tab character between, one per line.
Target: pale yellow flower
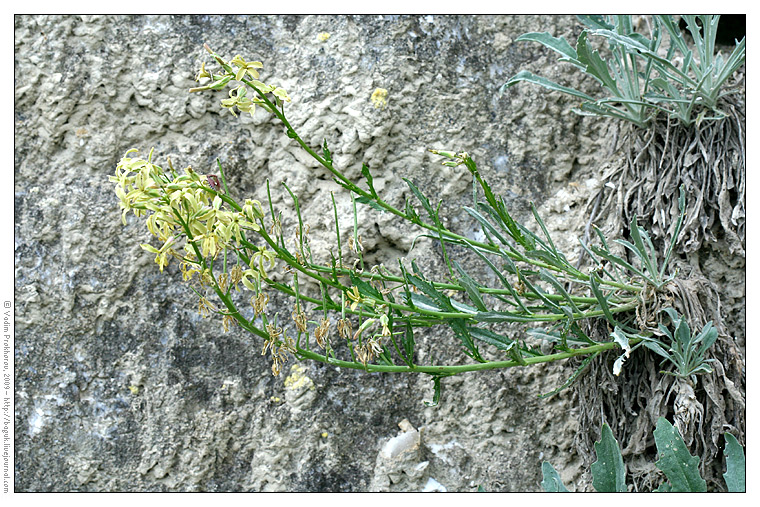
246	68
261	257
384	322
353	295
203	72
281	94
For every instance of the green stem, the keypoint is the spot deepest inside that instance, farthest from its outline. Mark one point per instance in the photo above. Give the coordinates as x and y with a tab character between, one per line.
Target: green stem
453	370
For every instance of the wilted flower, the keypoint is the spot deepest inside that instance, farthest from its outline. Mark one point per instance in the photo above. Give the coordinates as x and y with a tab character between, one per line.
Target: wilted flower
345	328
259	303
299	317
321	333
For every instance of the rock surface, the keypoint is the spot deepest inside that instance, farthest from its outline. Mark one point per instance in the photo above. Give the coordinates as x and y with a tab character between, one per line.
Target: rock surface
122	386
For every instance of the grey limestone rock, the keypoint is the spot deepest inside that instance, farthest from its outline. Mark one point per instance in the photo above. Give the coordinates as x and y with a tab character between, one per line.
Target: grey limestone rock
122	386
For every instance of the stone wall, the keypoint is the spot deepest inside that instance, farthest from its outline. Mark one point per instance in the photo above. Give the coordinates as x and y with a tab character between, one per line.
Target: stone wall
122	386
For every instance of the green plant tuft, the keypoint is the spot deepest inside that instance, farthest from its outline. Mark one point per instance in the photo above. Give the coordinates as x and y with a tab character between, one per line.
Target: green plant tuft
642	76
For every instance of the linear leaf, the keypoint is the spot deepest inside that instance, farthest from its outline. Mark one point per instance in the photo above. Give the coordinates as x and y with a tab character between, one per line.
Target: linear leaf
457	325
462	307
424	303
617	261
370	202
577	373
504	317
549	278
407	342
538	292
485	224
491	338
471	288
504	281
423	200
599	295
429	290
529	77
368	177
365	289
638	235
558	44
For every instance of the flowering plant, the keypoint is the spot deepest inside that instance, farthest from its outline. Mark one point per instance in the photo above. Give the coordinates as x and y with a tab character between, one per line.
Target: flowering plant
228	253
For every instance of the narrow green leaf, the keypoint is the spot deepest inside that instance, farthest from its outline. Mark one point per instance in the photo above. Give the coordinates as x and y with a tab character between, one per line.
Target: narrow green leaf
639	235
436	392
552	336
599	295
407	342
735	475
544	256
577	373
491	338
540	293
549	278
423	303
326	152
516	355
365	288
617	261
676	232
505	283
552	482
428	289
492	317
368	177
410	213
680	467
385	357
608	470
470	287
558	44
370	202
460	330
485	224
529	77
541	224
656	347
497	340
423	200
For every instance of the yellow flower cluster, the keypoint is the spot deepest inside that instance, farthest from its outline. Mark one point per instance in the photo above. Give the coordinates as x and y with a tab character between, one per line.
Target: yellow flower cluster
238	96
187	207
